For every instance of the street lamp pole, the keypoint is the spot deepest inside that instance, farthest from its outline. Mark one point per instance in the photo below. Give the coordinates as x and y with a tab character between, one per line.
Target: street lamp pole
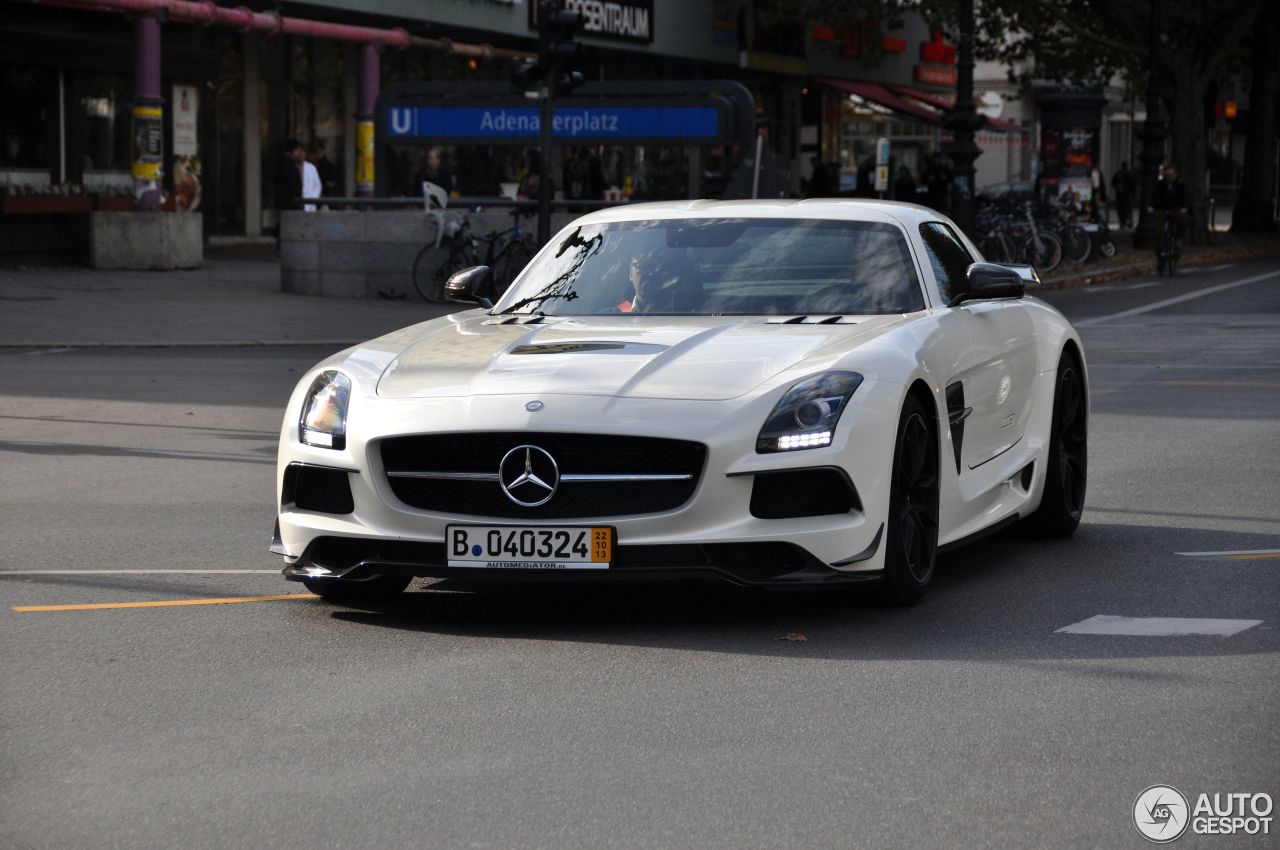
1152	135
964	121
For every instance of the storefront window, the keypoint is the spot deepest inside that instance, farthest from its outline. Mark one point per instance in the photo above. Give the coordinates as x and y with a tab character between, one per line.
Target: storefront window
104	115
28	118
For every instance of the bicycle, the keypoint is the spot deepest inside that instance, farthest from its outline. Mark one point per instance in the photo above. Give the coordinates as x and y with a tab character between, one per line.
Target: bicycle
508	251
1168	249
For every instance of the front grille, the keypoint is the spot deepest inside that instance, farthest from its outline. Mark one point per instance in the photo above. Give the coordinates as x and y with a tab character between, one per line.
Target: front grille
575	454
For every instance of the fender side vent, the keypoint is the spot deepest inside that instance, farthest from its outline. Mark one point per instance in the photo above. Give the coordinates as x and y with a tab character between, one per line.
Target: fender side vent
956	414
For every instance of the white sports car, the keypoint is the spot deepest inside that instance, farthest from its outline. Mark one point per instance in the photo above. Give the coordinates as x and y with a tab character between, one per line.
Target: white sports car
773	392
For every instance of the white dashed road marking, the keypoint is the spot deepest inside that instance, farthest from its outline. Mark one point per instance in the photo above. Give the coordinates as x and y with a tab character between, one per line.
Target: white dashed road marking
1232	553
1107	624
1178	299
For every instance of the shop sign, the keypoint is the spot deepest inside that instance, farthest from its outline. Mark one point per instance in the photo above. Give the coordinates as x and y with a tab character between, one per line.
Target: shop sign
615	20
187	168
936	75
577	122
186	106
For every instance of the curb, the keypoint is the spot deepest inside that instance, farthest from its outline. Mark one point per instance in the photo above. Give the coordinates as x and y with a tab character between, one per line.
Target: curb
235	343
1208	256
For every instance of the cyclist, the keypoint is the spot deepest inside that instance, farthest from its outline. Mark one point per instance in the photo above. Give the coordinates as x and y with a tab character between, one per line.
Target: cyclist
1170	201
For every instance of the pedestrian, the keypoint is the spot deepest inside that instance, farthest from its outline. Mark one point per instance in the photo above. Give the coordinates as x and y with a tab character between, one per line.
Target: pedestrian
327	169
904	187
939	183
1098	201
531	183
1123	186
435	171
288	182
1170	200
312	186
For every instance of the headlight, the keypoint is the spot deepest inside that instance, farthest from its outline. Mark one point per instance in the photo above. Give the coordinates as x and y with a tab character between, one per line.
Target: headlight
806	416
324	413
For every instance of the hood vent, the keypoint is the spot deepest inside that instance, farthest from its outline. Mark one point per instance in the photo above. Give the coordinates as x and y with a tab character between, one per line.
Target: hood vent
812	320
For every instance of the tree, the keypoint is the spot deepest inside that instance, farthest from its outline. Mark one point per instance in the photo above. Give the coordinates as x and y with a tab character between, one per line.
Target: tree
1087	41
1254	211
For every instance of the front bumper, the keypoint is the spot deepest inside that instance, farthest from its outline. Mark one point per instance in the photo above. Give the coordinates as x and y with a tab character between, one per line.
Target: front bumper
713	535
751	564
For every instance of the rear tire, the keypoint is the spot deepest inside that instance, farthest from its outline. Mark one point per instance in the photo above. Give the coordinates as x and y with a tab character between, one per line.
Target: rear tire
911	539
376	589
1067	463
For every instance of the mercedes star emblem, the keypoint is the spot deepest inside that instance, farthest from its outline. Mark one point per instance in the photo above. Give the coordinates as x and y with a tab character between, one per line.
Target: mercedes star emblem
529	476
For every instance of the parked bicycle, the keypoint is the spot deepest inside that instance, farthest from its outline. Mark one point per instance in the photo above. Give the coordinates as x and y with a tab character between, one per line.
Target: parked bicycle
506	251
1019	238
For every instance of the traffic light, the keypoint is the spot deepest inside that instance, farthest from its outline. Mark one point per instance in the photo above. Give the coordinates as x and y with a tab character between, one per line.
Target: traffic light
526	75
567	81
558	52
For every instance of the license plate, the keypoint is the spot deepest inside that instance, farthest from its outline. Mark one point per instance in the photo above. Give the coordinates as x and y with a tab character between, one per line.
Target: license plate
511	547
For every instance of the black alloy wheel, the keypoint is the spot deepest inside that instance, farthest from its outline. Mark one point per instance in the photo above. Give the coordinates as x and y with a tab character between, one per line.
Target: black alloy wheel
366	591
912	538
1067	464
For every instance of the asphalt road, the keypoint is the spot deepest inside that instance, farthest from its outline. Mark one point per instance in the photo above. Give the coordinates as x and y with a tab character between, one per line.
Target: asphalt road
624	717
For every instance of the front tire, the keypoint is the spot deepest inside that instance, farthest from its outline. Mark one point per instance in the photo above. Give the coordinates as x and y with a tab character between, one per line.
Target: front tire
367	591
1066	465
911	542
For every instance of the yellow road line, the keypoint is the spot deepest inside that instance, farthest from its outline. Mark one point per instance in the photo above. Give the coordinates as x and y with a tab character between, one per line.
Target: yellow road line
100	606
1258	557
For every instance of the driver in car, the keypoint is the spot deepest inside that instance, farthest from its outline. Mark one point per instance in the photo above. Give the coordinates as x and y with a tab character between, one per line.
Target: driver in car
666	283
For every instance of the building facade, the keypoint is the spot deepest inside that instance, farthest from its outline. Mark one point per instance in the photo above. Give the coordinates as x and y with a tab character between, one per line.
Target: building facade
78	135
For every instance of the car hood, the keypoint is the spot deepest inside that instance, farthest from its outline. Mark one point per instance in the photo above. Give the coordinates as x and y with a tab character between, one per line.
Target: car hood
710	357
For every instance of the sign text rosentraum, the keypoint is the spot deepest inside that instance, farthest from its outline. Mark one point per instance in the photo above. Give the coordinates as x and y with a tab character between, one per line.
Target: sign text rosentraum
612	18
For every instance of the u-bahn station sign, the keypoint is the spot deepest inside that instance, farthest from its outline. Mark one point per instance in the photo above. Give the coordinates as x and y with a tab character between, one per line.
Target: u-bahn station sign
696	124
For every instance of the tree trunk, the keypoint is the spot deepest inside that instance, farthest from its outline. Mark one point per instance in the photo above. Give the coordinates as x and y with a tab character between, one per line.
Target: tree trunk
1254	211
1190	151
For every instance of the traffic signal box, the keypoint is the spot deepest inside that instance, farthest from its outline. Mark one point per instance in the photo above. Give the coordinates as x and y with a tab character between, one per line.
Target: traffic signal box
558	52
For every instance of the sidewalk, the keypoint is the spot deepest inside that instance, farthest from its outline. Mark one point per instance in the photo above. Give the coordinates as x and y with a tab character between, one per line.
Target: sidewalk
1128	263
233	300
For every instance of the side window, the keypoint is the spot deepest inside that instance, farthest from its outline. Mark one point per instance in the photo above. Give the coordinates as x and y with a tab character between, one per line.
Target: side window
948	256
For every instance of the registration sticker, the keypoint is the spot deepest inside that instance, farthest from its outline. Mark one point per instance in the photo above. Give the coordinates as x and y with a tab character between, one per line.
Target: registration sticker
511	547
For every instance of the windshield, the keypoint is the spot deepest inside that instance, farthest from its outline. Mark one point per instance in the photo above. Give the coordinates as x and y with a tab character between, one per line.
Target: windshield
720	266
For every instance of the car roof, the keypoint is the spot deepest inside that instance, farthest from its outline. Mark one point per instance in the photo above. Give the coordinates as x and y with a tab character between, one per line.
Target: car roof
840	209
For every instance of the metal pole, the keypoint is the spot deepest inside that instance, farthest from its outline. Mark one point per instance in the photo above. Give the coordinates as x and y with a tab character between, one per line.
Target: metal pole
755	174
1152	135
546	119
964	121
368	73
148	113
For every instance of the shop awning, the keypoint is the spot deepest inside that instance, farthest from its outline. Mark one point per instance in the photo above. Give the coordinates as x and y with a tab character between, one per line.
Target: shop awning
908	101
879	94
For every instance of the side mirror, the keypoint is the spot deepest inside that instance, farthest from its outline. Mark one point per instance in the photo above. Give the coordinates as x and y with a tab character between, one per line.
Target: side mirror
462	286
992	280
